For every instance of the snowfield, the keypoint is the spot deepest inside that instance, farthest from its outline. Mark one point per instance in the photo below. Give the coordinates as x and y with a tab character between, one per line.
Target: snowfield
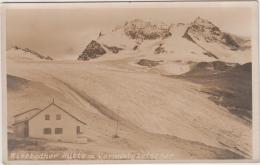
148	103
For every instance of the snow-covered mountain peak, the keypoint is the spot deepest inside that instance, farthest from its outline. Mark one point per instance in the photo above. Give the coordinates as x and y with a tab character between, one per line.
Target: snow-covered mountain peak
145	30
200	40
204	22
203	29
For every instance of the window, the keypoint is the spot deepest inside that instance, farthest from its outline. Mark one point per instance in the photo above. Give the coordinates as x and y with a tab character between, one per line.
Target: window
47	131
58	117
47	117
58	130
78	130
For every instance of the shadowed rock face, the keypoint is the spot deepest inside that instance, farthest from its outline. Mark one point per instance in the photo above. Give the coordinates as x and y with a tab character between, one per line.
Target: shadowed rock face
207	53
138	29
228	85
160	49
135	47
16	83
213	66
93	50
230	42
114	49
204	30
149	63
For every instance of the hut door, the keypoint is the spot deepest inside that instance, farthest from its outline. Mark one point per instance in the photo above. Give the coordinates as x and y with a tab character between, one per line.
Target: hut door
78	130
26	130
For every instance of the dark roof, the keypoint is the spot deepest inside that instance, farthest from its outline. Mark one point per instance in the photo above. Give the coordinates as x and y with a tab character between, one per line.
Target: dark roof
22	121
30	110
45	109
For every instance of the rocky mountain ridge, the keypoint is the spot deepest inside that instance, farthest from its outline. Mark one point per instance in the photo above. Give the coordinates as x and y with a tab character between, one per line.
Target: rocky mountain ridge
205	30
144	30
26	52
147	37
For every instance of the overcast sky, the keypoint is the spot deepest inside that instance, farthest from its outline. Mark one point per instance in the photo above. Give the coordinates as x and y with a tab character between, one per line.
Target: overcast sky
59	30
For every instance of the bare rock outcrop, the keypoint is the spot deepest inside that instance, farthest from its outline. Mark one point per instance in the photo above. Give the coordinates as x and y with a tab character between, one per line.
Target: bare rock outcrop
148	63
204	30
93	50
34	53
144	30
113	49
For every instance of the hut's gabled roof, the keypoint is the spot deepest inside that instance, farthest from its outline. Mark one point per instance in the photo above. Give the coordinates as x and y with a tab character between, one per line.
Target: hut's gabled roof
28	112
38	111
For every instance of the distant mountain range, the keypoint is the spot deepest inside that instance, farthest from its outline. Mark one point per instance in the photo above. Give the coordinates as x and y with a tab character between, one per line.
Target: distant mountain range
197	41
206	39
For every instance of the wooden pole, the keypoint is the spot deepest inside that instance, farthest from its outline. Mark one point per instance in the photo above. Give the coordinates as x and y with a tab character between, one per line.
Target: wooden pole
117	124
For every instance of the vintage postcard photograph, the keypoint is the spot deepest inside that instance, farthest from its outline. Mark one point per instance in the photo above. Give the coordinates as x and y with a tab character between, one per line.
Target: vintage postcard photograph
164	81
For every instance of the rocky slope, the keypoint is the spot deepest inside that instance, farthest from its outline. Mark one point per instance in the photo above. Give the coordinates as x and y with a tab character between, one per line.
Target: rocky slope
223	46
93	50
220	82
144	30
204	30
25	54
